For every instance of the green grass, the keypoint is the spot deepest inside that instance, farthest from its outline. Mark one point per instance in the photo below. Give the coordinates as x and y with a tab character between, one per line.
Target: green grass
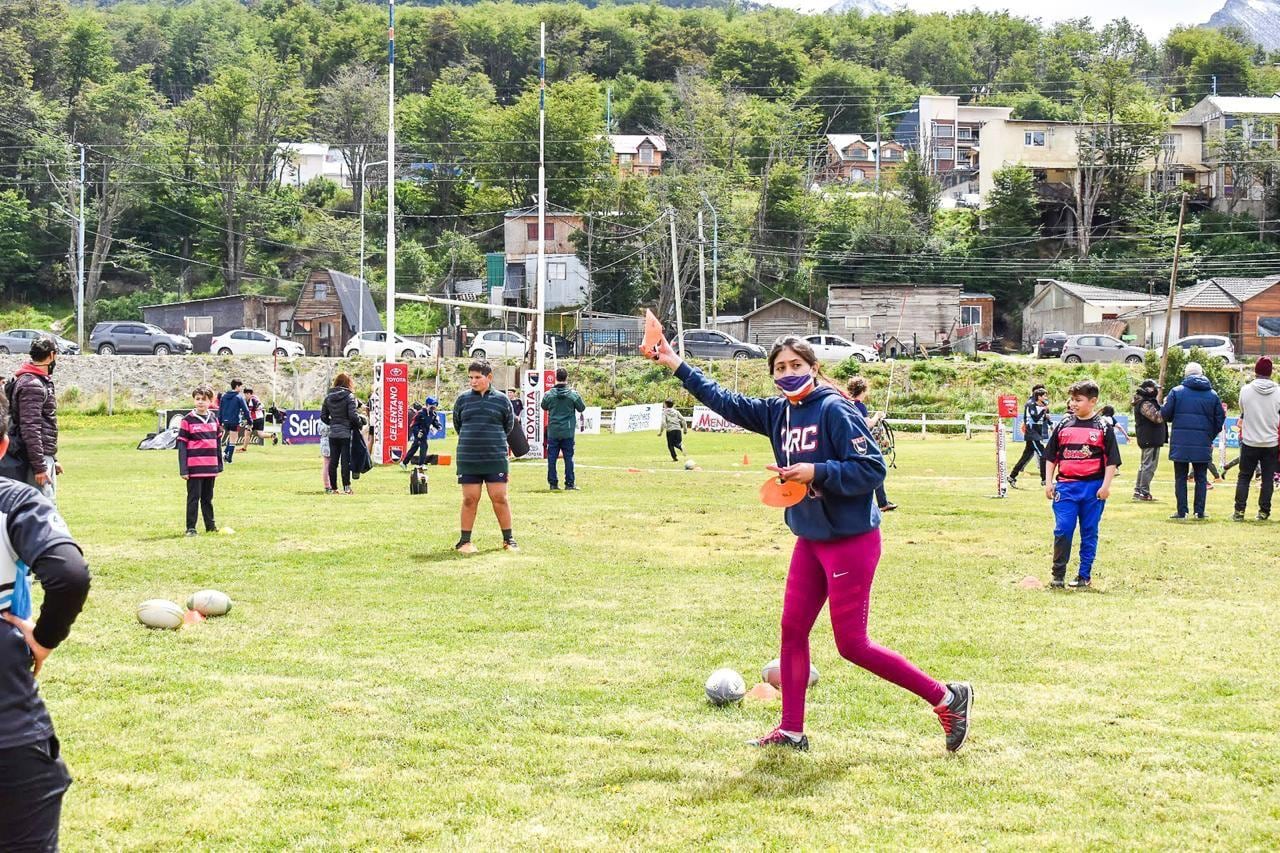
371	689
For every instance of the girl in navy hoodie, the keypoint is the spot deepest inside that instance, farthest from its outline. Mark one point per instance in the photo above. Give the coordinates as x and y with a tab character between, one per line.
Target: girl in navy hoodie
819	440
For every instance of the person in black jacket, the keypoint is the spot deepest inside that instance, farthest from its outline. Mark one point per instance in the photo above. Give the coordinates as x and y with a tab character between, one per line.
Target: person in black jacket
33	777
1152	434
343	418
1035	432
34	427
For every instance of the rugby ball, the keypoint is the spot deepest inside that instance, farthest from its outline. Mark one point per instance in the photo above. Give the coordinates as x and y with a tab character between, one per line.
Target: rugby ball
772	673
159	613
209	602
724	687
689	464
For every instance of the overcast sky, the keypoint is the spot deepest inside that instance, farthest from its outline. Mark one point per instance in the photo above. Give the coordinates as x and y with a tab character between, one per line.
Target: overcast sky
1156	17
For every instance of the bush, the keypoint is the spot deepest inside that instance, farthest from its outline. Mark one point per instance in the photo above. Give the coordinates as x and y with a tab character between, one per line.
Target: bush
1221	376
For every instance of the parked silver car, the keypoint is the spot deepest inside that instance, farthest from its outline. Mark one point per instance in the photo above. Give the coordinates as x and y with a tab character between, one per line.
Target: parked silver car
19	341
1080	348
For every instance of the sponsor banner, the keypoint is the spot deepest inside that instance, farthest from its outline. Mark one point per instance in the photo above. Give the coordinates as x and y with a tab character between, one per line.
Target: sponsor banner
642	418
589	421
301	426
1002	460
1232	432
439	434
532	416
1122	428
705	420
392	406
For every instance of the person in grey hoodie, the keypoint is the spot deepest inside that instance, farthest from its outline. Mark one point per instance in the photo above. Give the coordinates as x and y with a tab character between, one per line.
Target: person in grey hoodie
1259	437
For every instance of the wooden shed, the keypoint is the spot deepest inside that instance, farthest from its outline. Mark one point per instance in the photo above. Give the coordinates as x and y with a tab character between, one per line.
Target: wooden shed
330	310
202	320
780	317
977	316
912	312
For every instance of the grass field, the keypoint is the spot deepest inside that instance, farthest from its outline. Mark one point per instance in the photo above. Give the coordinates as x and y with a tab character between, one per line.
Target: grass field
373	690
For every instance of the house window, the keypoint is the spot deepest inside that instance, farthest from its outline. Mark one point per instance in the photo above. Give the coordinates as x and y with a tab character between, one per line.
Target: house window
1033	138
1171	142
197	326
548	231
646	154
862	321
557	271
964	134
857	175
946	153
944	131
858	153
971	315
322	291
284	329
892	154
623	159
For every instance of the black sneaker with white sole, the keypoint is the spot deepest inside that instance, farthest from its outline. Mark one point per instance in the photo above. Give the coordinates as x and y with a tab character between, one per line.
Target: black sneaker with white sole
954	715
1080	583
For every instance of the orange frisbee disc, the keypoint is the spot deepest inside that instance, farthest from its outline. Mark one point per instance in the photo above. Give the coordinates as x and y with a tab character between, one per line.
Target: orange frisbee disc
782	493
652	335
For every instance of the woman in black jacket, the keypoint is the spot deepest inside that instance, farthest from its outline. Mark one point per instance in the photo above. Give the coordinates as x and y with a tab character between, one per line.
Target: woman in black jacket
340	414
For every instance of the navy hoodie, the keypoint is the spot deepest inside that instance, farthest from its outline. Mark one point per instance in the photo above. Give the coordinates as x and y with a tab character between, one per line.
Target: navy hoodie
823	429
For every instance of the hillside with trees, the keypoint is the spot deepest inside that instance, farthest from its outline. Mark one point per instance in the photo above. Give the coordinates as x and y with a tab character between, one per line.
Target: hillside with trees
180	109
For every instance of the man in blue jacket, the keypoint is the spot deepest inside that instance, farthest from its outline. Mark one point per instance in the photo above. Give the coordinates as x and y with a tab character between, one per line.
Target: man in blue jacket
1196	416
231	408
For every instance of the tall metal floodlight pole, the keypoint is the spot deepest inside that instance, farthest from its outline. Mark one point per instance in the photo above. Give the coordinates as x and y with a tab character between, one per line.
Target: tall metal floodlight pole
715	262
702	275
540	322
80	261
391	186
364	192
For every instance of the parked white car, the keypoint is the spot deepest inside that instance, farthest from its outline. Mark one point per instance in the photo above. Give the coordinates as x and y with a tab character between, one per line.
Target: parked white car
1218	346
254	342
833	348
496	343
374	345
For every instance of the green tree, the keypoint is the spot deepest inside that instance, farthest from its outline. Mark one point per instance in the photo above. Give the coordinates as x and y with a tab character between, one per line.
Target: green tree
17	261
921	192
1011	213
352	113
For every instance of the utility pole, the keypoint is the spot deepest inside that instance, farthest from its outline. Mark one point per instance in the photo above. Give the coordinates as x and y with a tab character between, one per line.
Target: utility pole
538	357
702	275
715	262
364	191
1173	290
80	261
391	186
675	280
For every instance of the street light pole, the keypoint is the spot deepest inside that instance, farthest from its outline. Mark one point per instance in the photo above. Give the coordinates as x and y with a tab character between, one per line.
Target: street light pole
715	262
364	191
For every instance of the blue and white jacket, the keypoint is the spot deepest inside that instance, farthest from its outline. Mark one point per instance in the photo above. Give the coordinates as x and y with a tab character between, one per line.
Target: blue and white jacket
823	429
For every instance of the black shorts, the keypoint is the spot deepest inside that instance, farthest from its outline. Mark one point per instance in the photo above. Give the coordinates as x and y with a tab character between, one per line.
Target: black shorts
32	782
475	479
259	424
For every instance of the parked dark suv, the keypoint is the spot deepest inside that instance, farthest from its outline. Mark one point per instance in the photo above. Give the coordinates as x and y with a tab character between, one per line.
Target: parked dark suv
136	338
1050	345
710	343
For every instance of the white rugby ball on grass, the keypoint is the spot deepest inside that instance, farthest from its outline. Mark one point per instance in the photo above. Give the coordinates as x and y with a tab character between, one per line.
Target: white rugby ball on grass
724	687
159	613
689	464
772	673
209	602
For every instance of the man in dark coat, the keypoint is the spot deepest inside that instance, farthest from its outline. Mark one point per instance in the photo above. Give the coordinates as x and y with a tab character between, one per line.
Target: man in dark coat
1152	434
1194	411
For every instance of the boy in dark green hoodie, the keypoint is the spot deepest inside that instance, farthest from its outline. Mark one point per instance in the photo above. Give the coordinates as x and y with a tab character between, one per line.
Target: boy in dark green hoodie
562	404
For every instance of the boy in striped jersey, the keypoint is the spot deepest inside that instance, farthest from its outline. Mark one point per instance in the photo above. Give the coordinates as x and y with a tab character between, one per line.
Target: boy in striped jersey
199	462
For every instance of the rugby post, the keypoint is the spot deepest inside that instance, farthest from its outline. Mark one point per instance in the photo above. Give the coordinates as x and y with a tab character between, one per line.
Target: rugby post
1006	407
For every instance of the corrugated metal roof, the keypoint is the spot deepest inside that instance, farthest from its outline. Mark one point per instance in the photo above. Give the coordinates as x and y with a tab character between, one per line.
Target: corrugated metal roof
624	143
1235	106
976	296
1094	294
351	291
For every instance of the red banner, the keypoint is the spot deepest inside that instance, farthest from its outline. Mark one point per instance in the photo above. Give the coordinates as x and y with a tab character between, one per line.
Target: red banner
394	400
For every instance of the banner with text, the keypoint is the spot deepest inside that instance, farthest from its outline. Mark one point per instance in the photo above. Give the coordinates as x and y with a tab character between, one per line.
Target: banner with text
392	382
640	418
301	426
589	421
532	417
705	420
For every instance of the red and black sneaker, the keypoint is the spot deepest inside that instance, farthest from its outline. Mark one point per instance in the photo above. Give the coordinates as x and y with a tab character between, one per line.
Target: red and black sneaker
954	715
779	738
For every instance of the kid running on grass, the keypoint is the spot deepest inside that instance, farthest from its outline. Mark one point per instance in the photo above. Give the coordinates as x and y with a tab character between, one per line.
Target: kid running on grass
819	440
1083	457
673	427
199	461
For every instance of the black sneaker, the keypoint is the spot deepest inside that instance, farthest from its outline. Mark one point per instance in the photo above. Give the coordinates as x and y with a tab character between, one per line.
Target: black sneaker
1080	583
1200	516
1057	583
1238	515
954	716
554	487
777	738
571	488
191	531
1013	482
1178	516
1263	516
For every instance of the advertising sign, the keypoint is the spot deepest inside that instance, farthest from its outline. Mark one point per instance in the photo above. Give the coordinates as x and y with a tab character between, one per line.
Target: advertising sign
705	420
1007	406
640	418
589	421
439	434
301	426
393	411
532	417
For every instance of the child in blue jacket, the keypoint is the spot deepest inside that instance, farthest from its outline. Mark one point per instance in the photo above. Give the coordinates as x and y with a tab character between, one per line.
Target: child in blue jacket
819	440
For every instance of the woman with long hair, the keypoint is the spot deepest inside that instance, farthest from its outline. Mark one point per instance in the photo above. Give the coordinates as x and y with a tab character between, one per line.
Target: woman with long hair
343	418
820	441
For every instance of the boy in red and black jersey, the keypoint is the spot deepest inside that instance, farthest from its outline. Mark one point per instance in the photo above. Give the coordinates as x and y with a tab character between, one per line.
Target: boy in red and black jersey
1083	457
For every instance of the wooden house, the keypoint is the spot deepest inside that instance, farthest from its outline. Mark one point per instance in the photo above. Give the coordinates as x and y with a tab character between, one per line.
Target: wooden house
780	317
202	320
923	313
331	308
638	154
1065	306
977	316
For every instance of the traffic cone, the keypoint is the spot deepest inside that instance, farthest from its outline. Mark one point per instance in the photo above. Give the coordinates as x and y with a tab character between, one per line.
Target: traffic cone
745	461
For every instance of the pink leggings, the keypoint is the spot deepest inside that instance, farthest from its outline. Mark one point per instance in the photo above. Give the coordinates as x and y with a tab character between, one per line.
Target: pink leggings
841	570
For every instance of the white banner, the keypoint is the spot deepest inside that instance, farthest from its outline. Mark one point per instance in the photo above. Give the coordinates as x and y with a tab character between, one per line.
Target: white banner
589	421
705	420
637	418
533	419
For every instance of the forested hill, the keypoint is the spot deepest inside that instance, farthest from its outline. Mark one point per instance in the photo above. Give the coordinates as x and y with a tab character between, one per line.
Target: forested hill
180	109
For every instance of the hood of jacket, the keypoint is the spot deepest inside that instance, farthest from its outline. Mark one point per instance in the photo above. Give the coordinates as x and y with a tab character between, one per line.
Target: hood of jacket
1197	383
1263	386
30	369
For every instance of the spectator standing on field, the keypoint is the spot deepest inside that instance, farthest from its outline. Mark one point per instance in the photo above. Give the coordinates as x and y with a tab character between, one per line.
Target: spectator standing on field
1194	412
199	462
562	404
231	410
33	421
1152	433
858	389
1259	436
341	414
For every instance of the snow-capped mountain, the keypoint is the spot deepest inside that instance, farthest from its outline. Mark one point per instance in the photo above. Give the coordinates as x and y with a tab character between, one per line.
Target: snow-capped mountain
1259	18
866	7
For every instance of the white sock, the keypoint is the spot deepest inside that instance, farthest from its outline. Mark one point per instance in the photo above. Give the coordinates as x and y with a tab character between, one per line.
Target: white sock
792	735
946	697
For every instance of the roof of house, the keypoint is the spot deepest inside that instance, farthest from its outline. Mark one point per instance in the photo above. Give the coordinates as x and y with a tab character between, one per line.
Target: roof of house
1098	295
267	299
1234	105
1220	294
351	292
1244	289
841	141
769	305
522	212
624	143
911	284
977	296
